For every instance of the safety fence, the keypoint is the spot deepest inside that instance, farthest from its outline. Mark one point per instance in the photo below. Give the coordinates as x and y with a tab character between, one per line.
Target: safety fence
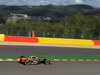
15	32
67	36
48	34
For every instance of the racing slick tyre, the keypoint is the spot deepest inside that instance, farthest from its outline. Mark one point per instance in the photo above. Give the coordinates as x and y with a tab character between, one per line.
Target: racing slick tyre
46	61
26	62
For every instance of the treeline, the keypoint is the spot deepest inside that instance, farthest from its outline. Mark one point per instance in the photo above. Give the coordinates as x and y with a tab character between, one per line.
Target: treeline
48	10
72	19
77	24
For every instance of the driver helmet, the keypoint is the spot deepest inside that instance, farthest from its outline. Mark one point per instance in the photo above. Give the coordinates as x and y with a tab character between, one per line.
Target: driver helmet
32	57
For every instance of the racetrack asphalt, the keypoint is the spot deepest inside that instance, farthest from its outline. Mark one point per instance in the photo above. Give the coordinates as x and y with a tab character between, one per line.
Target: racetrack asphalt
44	50
58	68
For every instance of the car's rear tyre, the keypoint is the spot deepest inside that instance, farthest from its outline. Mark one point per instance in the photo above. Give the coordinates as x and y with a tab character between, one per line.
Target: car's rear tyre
46	61
26	62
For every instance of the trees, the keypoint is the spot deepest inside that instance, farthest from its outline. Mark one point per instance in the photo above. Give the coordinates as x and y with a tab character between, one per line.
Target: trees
75	25
23	25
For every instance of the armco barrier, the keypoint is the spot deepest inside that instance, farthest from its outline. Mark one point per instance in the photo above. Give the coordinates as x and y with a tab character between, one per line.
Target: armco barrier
2	37
20	39
96	42
65	41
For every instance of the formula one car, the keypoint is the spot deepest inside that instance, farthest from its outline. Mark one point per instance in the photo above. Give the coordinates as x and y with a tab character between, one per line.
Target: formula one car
33	60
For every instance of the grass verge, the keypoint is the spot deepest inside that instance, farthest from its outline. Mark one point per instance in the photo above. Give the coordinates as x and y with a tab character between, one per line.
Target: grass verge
13	56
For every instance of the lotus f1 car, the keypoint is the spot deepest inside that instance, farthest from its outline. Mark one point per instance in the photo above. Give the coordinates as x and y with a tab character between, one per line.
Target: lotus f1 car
33	60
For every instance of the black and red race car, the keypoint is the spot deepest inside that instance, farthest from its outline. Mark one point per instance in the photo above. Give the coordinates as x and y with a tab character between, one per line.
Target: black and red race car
33	60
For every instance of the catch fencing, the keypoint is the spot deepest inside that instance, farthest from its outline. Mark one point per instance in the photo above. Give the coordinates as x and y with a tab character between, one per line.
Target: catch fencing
69	36
48	34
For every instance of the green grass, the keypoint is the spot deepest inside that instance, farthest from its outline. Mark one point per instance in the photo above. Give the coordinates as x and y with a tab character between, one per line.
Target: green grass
12	56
